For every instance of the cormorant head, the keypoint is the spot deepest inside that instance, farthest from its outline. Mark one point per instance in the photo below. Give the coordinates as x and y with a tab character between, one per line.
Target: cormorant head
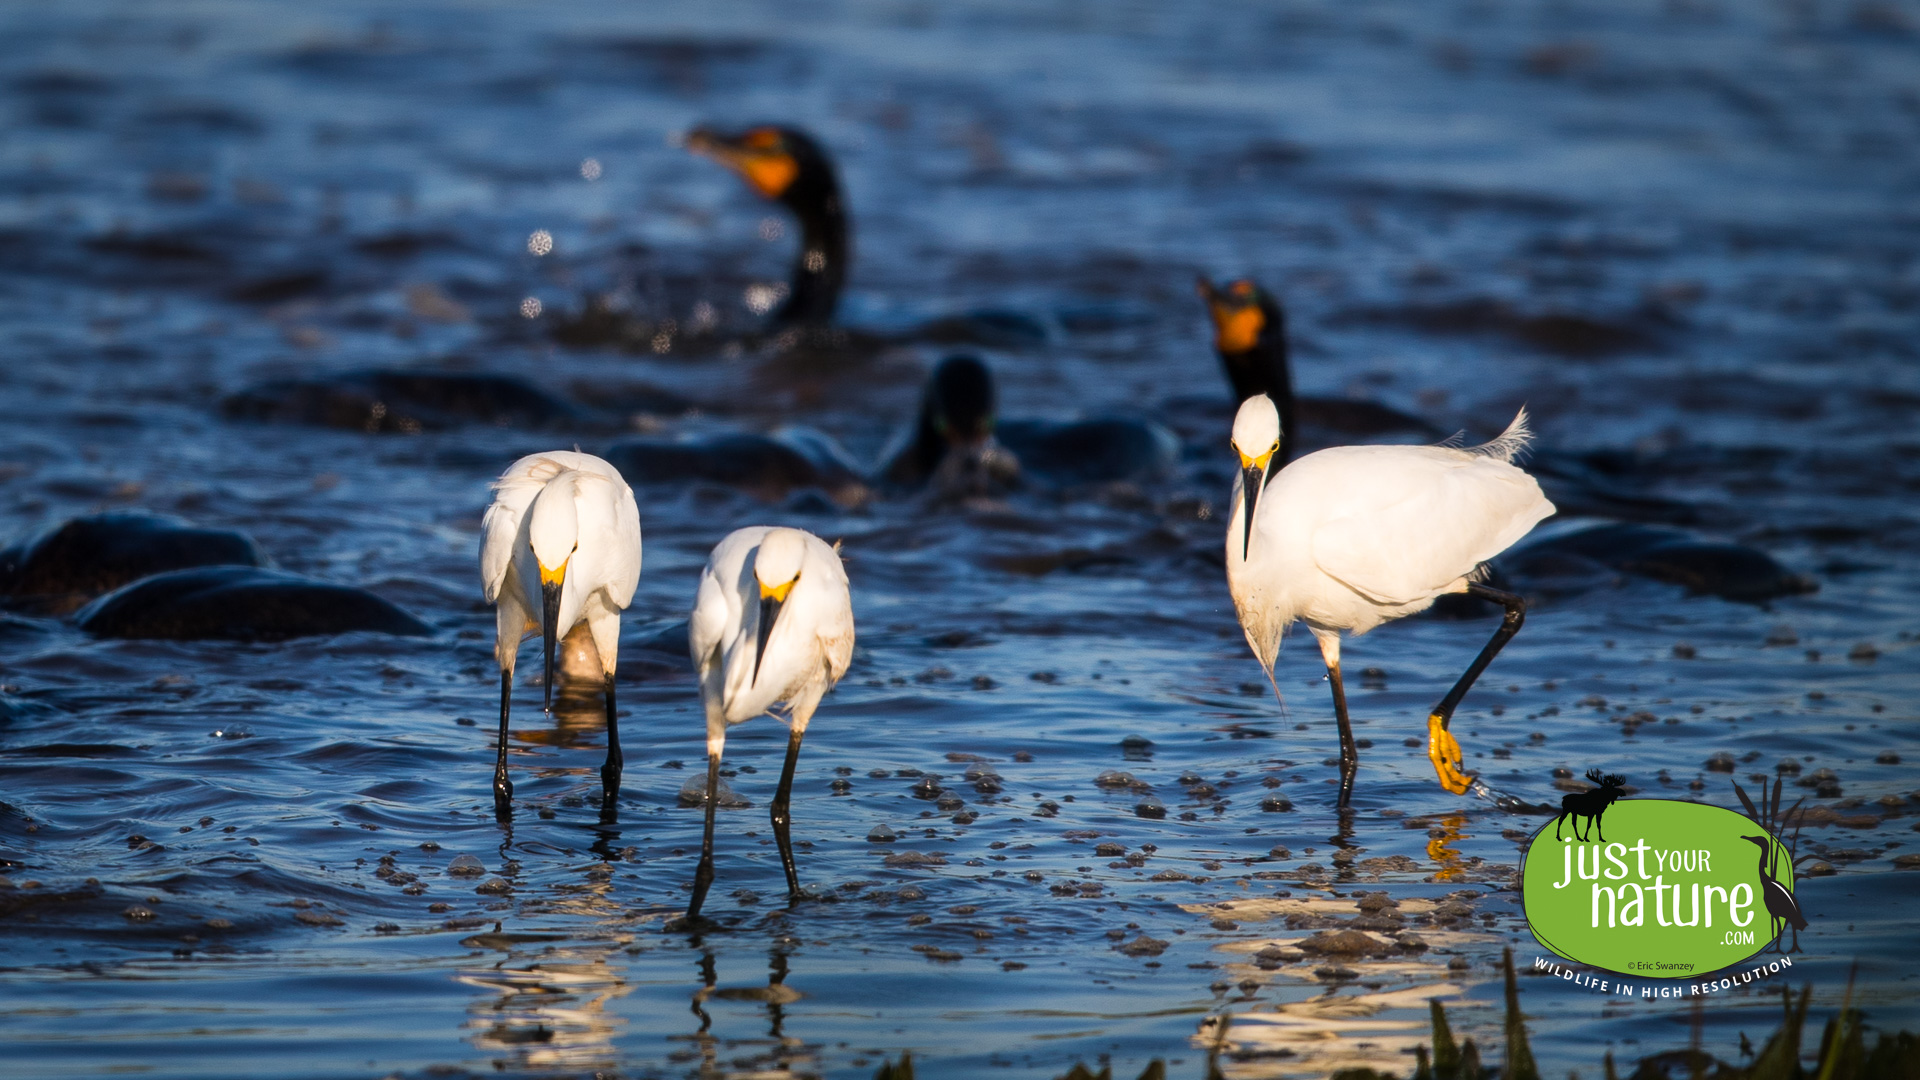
1250	334
1244	316
782	164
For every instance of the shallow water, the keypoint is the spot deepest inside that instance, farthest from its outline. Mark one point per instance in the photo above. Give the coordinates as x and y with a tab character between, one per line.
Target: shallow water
196	201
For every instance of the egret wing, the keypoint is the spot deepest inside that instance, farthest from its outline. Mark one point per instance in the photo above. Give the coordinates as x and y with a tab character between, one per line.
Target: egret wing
626	528
1424	521
707	623
497	532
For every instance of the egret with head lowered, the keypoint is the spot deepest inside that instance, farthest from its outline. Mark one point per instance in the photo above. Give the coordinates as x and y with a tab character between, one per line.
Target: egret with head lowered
772	625
560	546
1352	536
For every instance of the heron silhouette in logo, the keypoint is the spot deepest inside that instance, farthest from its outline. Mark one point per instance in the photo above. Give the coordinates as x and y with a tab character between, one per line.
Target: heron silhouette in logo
1590	804
1777	897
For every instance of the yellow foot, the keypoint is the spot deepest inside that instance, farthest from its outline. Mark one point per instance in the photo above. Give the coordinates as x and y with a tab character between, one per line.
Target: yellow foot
1444	752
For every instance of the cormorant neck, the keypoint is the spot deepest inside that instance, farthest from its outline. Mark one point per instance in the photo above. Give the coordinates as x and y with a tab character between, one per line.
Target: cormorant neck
1265	369
820	268
929	446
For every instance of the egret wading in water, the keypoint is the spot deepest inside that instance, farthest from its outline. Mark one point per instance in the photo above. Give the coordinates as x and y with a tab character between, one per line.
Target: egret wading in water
1347	538
560	546
772	623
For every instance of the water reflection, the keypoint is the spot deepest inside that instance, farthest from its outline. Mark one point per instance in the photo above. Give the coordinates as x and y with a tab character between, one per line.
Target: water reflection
776	1054
1440	838
548	1003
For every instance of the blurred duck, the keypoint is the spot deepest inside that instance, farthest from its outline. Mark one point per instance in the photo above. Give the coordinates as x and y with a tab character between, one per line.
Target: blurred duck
959	446
560	546
785	165
772	625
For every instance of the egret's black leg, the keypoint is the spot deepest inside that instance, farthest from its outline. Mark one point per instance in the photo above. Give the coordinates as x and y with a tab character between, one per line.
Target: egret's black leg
503	787
1349	754
783	818
1442	749
703	875
610	772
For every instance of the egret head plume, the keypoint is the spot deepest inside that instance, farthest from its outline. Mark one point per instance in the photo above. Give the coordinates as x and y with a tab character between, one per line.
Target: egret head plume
553	523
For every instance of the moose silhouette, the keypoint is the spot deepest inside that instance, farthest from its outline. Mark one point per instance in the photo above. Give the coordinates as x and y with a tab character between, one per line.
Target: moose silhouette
1590	804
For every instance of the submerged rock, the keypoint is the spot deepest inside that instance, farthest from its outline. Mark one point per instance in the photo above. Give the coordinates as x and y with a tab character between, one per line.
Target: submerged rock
405	402
768	467
1100	450
241	603
1720	568
61	568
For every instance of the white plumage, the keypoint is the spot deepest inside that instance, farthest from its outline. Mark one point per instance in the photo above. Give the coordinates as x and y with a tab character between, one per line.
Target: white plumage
1353	536
559	546
772	624
811	641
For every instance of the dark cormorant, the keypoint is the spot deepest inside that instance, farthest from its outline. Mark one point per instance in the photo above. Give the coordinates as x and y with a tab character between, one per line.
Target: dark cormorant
785	165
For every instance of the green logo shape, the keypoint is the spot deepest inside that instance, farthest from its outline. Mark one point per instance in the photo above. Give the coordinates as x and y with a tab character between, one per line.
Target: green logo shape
1675	892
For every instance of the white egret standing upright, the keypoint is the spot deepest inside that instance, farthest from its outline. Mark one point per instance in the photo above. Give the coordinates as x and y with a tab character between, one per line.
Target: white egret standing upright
559	546
771	623
1350	537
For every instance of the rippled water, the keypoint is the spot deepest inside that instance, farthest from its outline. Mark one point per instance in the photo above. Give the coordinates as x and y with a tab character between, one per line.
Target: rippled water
197	836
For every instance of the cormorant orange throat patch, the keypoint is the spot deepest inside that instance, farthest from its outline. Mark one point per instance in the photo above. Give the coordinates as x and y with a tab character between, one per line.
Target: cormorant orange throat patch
769	173
1236	327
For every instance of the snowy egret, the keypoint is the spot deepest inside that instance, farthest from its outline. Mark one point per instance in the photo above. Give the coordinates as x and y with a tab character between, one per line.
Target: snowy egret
559	546
772	623
959	445
1350	537
787	166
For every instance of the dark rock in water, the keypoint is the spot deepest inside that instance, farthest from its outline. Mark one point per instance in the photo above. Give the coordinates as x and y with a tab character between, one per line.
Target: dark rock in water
1096	451
766	466
1729	570
1722	569
61	568
991	327
1579	490
403	401
1567	333
241	603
